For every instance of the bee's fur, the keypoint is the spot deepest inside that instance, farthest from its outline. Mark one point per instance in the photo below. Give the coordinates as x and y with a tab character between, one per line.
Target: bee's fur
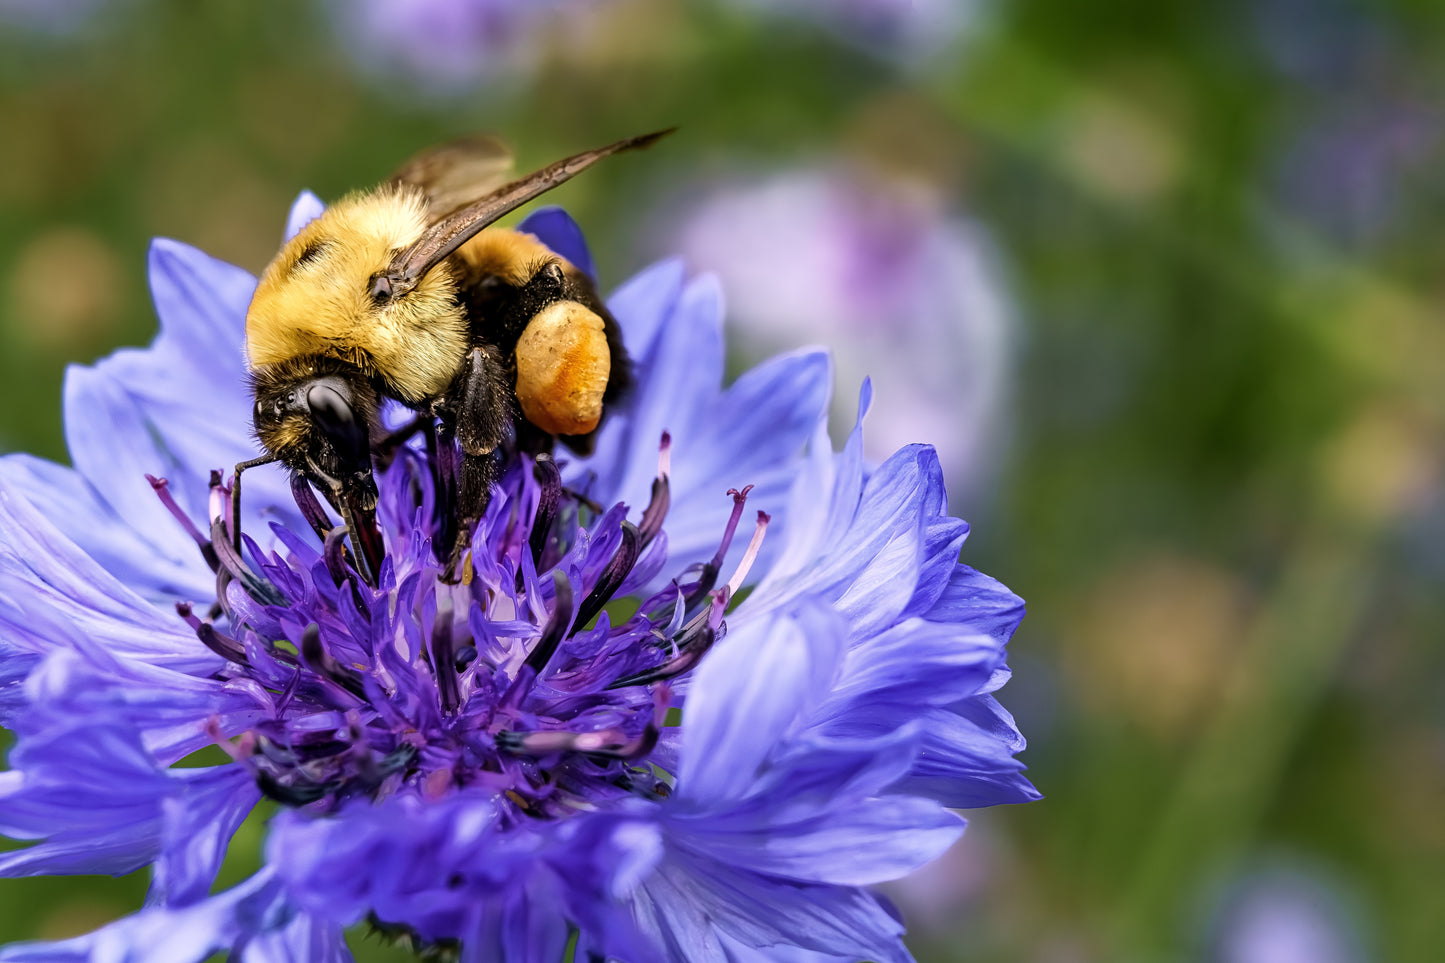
313	300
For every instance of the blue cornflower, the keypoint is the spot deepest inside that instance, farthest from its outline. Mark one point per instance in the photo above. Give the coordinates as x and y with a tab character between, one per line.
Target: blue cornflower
493	767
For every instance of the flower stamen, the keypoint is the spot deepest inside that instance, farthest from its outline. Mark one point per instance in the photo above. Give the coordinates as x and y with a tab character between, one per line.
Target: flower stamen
162	489
751	555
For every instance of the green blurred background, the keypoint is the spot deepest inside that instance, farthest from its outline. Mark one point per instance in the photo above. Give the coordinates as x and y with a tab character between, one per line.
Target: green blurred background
1217	472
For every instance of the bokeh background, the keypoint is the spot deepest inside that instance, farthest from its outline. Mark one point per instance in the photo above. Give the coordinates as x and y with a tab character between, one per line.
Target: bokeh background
1162	281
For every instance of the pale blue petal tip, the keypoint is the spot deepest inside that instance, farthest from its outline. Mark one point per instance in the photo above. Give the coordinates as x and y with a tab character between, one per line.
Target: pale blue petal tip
306	208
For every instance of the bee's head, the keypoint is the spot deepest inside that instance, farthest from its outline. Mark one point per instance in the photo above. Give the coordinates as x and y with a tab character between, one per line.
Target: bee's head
318	417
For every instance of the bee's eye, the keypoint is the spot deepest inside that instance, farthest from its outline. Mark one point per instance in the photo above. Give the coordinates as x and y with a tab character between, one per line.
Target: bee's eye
381	288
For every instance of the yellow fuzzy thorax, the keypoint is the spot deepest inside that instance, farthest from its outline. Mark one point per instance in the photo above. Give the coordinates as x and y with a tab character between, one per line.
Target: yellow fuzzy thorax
314	299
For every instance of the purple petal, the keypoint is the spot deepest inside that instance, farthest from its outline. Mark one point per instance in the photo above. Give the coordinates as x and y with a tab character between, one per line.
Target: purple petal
695	909
305	939
201	303
980	602
968	758
644	305
868	559
746	697
166	707
48	586
555	228
306	208
92	793
160	935
15	665
912	665
823	499
162	563
867	842
198	824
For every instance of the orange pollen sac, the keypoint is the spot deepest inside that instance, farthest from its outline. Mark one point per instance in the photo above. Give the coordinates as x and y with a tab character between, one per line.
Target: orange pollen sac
562	368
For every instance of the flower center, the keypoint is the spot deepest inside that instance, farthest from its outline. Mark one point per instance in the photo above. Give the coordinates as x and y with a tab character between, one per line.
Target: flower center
533	676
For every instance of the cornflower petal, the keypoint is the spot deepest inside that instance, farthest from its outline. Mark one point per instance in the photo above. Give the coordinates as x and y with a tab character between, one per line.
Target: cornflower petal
226	922
555	228
748	696
306	208
161	564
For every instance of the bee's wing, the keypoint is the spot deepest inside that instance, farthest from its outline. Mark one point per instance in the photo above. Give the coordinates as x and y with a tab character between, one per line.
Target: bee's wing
458	172
441	239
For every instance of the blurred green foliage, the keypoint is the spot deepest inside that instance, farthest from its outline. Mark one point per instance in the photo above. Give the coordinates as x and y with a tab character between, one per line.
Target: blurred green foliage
1223	496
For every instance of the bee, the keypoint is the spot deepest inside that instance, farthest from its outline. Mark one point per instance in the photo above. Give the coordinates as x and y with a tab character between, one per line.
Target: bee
405	292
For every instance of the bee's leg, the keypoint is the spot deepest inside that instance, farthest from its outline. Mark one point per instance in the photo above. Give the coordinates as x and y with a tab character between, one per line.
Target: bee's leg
384	450
236	496
479	413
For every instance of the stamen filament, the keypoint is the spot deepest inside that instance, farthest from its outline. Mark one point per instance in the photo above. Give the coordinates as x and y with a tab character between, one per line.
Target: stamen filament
162	489
750	556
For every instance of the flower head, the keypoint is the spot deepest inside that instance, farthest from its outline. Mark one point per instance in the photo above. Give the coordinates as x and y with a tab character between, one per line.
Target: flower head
585	733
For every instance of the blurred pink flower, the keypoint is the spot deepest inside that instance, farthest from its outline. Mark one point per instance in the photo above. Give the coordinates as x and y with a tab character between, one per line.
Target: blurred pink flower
904	292
893	27
1286	916
445	46
53	17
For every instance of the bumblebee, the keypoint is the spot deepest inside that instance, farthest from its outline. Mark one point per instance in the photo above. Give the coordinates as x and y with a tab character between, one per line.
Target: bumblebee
404	292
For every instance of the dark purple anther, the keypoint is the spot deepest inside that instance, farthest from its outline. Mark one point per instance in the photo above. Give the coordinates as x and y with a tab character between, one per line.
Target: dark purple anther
223	601
557	626
444	657
607	743
656	510
446	471
550	481
318	660
333	549
219	643
309	506
231	563
618	568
